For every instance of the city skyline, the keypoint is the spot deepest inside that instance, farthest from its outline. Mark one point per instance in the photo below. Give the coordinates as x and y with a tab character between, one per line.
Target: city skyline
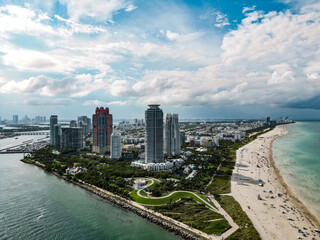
248	59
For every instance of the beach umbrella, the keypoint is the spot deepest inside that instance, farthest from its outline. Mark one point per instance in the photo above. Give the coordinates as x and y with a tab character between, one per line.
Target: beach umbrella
299	230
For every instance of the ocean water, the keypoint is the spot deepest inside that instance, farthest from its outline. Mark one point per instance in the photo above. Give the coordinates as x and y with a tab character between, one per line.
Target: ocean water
297	156
37	205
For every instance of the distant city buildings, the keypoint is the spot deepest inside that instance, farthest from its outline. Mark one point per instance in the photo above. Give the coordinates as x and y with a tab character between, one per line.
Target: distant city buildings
39	119
15	119
115	145
154	134
102	130
172	145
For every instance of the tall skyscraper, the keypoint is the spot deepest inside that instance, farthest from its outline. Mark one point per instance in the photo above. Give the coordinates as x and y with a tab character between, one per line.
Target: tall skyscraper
102	130
15	119
53	121
115	145
72	138
56	136
172	144
154	134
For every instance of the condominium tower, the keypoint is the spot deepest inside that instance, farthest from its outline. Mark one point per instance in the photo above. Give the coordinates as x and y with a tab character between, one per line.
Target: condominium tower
85	123
172	144
154	134
115	145
102	130
53	121
71	138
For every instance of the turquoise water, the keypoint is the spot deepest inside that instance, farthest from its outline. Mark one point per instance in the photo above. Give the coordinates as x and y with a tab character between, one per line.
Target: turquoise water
297	156
38	205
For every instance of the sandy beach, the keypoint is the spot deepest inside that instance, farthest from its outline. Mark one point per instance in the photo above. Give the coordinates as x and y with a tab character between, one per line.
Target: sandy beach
273	208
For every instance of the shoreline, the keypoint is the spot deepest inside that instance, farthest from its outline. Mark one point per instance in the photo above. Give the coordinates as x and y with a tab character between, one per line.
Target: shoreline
171	225
274	209
303	208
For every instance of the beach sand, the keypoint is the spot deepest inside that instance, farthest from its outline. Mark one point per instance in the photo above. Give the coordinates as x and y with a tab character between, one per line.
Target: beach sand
279	213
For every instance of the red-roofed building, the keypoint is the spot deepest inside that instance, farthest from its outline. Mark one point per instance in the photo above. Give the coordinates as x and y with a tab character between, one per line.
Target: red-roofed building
102	130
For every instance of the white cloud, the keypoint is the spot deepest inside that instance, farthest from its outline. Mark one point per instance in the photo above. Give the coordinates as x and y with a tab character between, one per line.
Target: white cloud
29	60
278	36
271	58
102	103
248	9
101	10
120	88
172	35
221	19
52	101
130	8
78	86
282	73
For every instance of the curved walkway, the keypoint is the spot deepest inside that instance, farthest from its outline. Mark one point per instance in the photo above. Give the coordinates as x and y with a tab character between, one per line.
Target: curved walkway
169	195
217	209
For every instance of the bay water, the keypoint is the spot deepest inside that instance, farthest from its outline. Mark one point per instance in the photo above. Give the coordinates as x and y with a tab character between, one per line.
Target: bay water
35	204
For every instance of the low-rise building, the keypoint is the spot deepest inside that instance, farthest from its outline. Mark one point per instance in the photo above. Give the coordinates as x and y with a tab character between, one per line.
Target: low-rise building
75	170
158	166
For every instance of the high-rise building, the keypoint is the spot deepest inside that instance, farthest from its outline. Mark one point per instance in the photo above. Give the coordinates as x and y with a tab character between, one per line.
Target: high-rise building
73	123
56	136
182	138
172	144
154	134
102	130
71	138
15	119
53	121
85	123
115	145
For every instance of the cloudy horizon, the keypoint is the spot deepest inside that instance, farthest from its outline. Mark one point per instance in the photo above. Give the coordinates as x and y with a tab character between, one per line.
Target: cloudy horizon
202	59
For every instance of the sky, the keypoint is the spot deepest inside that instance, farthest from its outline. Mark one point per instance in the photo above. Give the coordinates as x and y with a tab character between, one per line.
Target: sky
202	59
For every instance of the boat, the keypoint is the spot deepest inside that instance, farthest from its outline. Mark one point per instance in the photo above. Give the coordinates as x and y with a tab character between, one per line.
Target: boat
16	138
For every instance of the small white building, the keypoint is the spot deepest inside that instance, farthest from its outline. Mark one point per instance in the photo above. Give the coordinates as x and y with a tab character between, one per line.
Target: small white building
75	170
158	166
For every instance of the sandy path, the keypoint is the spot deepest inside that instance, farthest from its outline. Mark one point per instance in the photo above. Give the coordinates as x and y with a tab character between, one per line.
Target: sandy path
274	216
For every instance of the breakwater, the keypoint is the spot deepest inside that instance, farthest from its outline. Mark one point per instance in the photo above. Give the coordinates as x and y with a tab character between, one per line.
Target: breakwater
125	204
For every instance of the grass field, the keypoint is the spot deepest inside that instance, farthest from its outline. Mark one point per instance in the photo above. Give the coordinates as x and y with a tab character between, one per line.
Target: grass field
195	215
220	184
246	229
167	200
